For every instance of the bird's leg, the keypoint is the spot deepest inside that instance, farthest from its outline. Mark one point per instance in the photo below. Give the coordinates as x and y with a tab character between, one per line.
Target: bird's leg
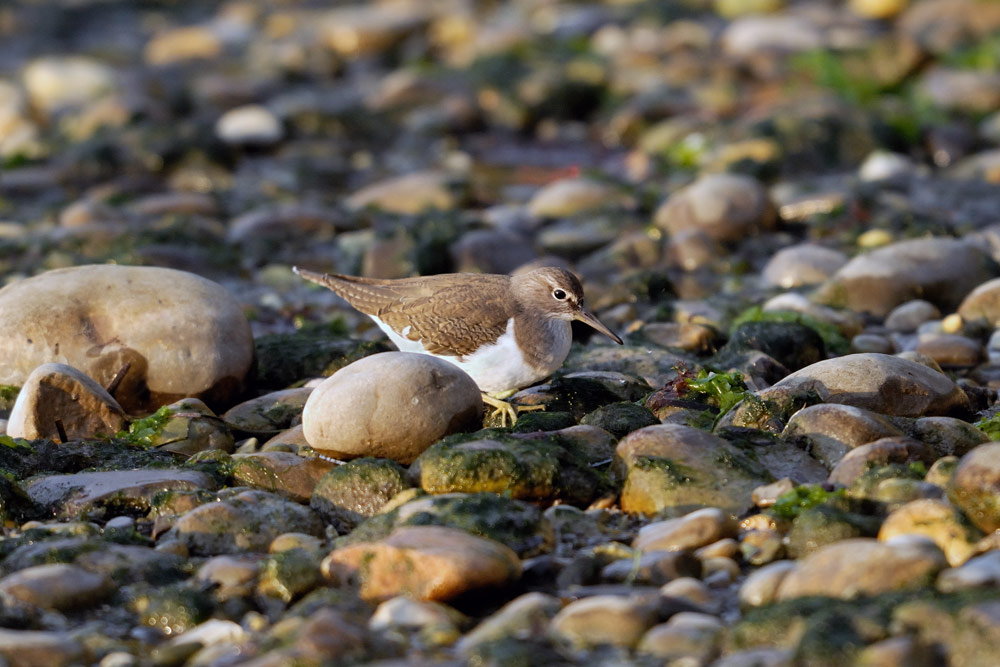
505	409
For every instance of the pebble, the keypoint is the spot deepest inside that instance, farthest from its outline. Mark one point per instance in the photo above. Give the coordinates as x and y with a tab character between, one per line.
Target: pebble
248	521
976	573
975	484
282	472
937	520
55	83
57	394
694	530
98	318
406	195
802	265
615	620
862	566
349	493
570	196
983	302
880	452
687	636
35	647
727	207
830	430
938	270
425	563
390	405
881	383
908	316
250	125
679	467
57	586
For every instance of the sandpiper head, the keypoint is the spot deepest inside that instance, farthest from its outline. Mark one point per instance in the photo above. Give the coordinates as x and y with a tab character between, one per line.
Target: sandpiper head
558	294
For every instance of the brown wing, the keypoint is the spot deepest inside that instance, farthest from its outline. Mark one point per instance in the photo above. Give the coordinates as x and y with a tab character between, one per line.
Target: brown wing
452	314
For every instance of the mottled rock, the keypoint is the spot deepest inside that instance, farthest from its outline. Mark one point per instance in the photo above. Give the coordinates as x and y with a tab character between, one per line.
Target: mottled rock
58	586
860	566
728	207
937	520
288	574
683	468
248	521
617	620
94	493
349	493
98	318
975	486
801	265
390	405
939	270
188	426
436	623
877	382
950	349
59	393
282	472
947	436
534	467
424	562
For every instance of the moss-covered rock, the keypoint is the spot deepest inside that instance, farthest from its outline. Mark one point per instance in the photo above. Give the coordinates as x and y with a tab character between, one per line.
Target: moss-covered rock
539	467
621	418
677	469
517	524
791	344
350	493
284	359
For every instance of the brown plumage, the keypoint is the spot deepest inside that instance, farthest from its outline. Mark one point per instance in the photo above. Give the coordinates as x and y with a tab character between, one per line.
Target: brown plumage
462	317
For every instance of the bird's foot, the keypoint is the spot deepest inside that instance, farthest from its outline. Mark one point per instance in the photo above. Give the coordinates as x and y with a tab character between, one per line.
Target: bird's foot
506	410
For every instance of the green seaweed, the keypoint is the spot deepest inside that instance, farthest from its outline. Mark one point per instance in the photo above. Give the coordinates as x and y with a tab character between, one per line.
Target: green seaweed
142	432
805	496
990	426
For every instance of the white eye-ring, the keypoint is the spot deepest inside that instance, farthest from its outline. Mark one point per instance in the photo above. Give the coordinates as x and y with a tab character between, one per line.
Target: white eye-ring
560	295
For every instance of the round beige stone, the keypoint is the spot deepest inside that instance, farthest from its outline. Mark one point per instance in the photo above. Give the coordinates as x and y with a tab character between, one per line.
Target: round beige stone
184	335
391	405
937	520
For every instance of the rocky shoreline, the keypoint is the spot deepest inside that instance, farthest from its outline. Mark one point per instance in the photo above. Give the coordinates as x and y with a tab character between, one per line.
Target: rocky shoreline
788	210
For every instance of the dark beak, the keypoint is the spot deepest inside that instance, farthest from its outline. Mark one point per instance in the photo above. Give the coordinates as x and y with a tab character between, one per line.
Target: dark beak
589	318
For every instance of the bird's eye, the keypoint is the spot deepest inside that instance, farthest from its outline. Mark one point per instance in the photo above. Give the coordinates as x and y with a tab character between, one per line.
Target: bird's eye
559	294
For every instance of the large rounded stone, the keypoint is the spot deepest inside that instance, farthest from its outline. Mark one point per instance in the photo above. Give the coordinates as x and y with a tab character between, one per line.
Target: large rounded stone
727	207
391	405
878	382
57	586
864	566
183	335
938	270
975	486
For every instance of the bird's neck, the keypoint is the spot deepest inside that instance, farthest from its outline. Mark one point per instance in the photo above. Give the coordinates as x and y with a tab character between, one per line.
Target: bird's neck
544	341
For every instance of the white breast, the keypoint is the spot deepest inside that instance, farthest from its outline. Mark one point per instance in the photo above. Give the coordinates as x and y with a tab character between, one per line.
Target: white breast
500	367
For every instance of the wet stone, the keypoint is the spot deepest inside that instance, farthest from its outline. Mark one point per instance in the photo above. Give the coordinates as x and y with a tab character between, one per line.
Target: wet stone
282	472
804	264
727	207
975	486
681	468
694	530
270	413
620	419
248	521
56	586
528	467
424	562
97	493
349	493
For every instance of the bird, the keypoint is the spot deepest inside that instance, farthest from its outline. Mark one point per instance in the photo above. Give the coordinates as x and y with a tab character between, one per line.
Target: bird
506	332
